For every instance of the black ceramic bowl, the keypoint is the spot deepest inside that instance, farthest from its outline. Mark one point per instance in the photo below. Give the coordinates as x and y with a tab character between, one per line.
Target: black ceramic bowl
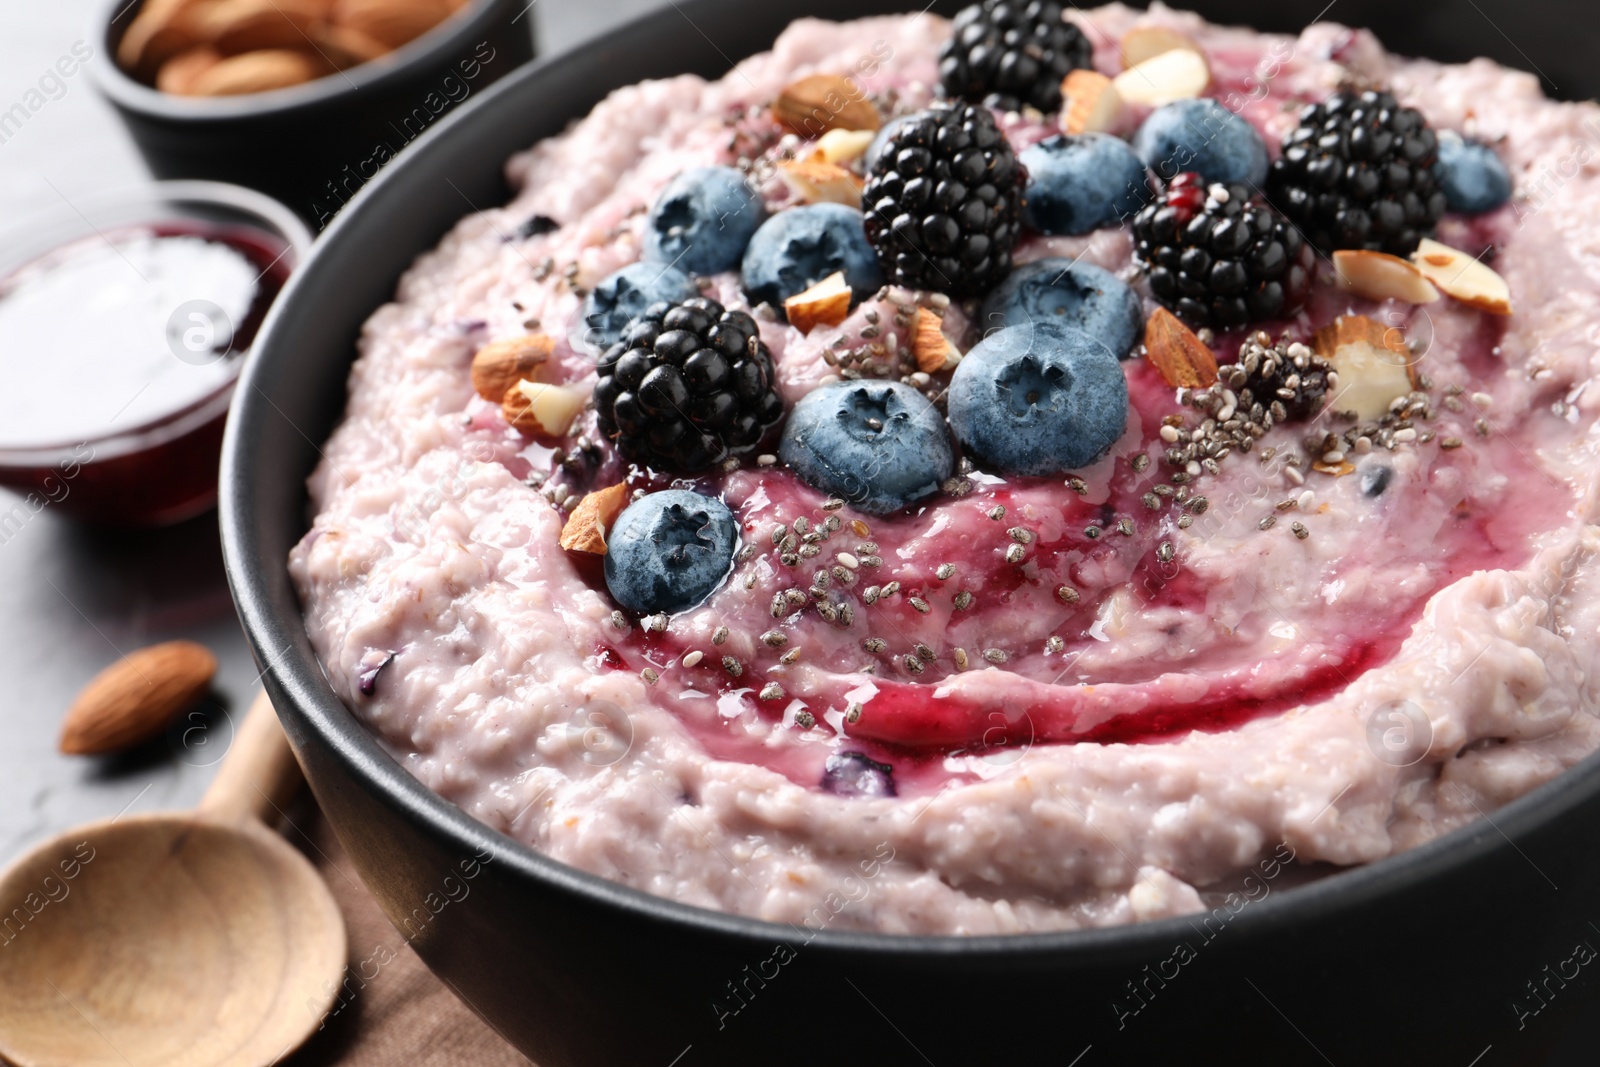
1424	958
313	146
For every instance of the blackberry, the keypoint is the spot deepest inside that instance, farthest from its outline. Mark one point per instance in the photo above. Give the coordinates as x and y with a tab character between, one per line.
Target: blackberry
943	201
687	386
1215	258
1358	173
1005	54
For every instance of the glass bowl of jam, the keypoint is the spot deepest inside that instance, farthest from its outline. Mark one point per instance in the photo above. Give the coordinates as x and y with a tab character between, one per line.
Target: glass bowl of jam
123	324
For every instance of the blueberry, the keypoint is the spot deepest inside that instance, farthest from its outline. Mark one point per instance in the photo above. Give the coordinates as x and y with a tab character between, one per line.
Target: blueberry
852	774
797	248
879	445
1473	177
624	296
1202	136
1078	184
1038	400
1068	293
669	551
703	220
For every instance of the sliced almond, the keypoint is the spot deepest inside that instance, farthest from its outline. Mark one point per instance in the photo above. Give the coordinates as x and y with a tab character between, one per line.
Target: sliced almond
841	146
1373	363
1338	470
1170	76
933	351
589	522
1463	277
1146	42
234	27
814	105
391	22
1090	103
543	410
502	364
825	304
1380	276
134	699
1181	358
177	75
257	72
817	183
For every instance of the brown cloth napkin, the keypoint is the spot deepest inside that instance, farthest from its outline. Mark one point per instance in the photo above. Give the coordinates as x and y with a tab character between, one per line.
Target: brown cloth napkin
403	1015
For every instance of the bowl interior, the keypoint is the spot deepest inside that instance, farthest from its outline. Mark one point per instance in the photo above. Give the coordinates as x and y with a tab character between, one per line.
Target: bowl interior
293	392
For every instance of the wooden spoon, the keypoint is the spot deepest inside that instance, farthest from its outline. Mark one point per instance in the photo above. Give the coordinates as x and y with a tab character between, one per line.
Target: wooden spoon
176	940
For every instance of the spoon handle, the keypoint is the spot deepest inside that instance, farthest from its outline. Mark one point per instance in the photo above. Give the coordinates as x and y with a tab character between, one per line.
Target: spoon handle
259	773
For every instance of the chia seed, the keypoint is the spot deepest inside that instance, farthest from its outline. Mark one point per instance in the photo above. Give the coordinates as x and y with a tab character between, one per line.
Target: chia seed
920	604
772	691
875	645
719	635
997	512
732	666
945	572
962	601
1015	553
995	655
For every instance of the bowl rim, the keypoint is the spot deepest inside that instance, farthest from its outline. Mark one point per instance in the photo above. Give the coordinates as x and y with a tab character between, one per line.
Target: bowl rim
469	21
256	208
305	699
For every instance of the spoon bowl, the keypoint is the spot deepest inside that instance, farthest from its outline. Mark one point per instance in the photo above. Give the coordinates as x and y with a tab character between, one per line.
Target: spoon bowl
178	940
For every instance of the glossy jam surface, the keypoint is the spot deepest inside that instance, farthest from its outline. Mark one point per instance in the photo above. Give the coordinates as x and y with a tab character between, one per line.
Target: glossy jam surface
116	331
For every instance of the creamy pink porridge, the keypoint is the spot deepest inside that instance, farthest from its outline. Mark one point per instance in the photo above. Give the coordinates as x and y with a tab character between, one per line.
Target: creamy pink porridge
1028	702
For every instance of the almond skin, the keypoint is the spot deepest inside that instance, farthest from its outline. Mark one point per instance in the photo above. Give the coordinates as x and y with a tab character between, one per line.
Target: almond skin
257	72
134	699
177	75
161	30
1180	357
590	521
390	22
501	364
234	27
814	105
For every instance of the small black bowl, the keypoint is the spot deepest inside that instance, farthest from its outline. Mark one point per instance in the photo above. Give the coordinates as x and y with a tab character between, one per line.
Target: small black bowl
314	146
1432	956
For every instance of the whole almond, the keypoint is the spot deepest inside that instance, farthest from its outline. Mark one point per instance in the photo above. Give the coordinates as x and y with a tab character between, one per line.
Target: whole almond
814	105
177	75
391	22
134	699
234	27
500	365
1179	356
257	72
160	30
345	47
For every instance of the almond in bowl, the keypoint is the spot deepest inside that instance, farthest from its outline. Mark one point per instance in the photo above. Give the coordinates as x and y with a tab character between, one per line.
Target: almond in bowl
239	47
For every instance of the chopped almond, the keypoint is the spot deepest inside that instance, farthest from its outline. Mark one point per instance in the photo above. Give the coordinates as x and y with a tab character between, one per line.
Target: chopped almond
545	411
1380	276
589	522
841	146
1181	358
931	348
501	364
1163	79
815	182
814	105
1147	42
825	304
1373	364
1090	103
1463	277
